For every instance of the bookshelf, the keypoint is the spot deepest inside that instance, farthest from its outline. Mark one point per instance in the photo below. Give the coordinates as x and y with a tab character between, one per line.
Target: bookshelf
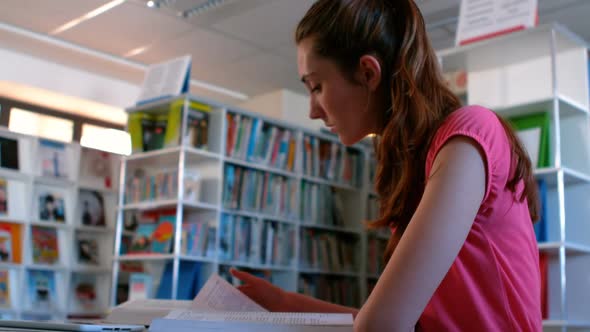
263	204
55	222
544	70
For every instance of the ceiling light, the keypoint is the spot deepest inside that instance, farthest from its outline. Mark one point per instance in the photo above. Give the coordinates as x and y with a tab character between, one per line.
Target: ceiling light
205	6
136	51
100	10
152	4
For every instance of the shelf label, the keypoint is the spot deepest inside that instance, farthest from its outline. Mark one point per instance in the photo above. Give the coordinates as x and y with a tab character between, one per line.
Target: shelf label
483	19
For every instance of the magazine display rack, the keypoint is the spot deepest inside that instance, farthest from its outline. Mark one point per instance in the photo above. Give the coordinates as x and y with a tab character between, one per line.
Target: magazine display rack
56	229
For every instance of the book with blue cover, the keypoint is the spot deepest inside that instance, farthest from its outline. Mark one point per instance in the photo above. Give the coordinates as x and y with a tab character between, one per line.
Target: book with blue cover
53	158
541	225
41	289
188	274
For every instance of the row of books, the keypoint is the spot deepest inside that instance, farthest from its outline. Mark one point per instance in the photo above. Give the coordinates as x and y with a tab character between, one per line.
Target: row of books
51	204
321	205
331	161
253	140
142	187
339	290
41	289
198	238
54	160
328	252
255	241
375	249
45	246
153	131
256	191
141	284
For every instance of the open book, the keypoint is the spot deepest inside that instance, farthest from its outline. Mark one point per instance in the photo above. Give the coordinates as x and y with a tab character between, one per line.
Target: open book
219	305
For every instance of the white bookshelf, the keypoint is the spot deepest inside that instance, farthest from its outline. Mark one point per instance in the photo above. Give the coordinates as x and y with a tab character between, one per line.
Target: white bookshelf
212	163
545	69
24	186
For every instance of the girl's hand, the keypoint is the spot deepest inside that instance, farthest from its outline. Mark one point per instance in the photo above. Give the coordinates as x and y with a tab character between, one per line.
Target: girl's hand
261	291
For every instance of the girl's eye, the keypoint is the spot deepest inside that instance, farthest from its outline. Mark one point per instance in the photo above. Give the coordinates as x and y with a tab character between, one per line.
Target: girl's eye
316	89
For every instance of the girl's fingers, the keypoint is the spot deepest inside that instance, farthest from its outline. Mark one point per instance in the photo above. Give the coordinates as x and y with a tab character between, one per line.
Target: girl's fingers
243	276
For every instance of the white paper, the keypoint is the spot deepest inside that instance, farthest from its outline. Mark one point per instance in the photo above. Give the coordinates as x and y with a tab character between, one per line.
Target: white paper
479	18
151	303
165	79
531	139
219	295
277	318
166	325
143	312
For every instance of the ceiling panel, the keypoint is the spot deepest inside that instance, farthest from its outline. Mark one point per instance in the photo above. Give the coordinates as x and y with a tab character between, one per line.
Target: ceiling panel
206	48
44	16
125	28
268	25
574	18
253	75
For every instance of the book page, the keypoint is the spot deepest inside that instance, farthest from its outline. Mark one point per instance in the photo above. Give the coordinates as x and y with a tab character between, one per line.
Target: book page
164	79
219	295
152	303
279	318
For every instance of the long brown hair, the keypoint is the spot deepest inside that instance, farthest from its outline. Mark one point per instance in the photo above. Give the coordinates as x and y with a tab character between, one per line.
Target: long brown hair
394	31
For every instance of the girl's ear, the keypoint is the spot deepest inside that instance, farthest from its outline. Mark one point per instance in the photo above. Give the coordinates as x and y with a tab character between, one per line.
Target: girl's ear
370	72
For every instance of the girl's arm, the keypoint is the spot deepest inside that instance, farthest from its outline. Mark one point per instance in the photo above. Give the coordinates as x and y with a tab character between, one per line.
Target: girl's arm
295	302
453	195
273	298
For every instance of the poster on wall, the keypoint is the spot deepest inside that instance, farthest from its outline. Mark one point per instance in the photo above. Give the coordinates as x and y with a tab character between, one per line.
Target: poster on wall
483	19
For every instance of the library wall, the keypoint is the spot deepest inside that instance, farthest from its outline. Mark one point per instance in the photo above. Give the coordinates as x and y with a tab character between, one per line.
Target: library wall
36	72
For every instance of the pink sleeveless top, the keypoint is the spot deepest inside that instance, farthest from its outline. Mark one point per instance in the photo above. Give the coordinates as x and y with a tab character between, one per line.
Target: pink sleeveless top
494	283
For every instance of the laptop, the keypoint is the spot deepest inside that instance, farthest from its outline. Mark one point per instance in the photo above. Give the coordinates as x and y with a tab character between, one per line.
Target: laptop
26	326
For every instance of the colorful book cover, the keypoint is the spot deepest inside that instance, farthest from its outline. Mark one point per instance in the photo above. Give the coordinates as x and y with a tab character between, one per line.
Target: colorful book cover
3	197
140	286
5	289
53	158
41	287
14	251
197	126
51	207
534	132
163	236
5	245
91	207
135	129
87	245
84	291
153	130
143	236
45	246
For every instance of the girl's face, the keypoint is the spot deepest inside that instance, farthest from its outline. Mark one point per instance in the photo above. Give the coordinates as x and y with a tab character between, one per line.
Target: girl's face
342	105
